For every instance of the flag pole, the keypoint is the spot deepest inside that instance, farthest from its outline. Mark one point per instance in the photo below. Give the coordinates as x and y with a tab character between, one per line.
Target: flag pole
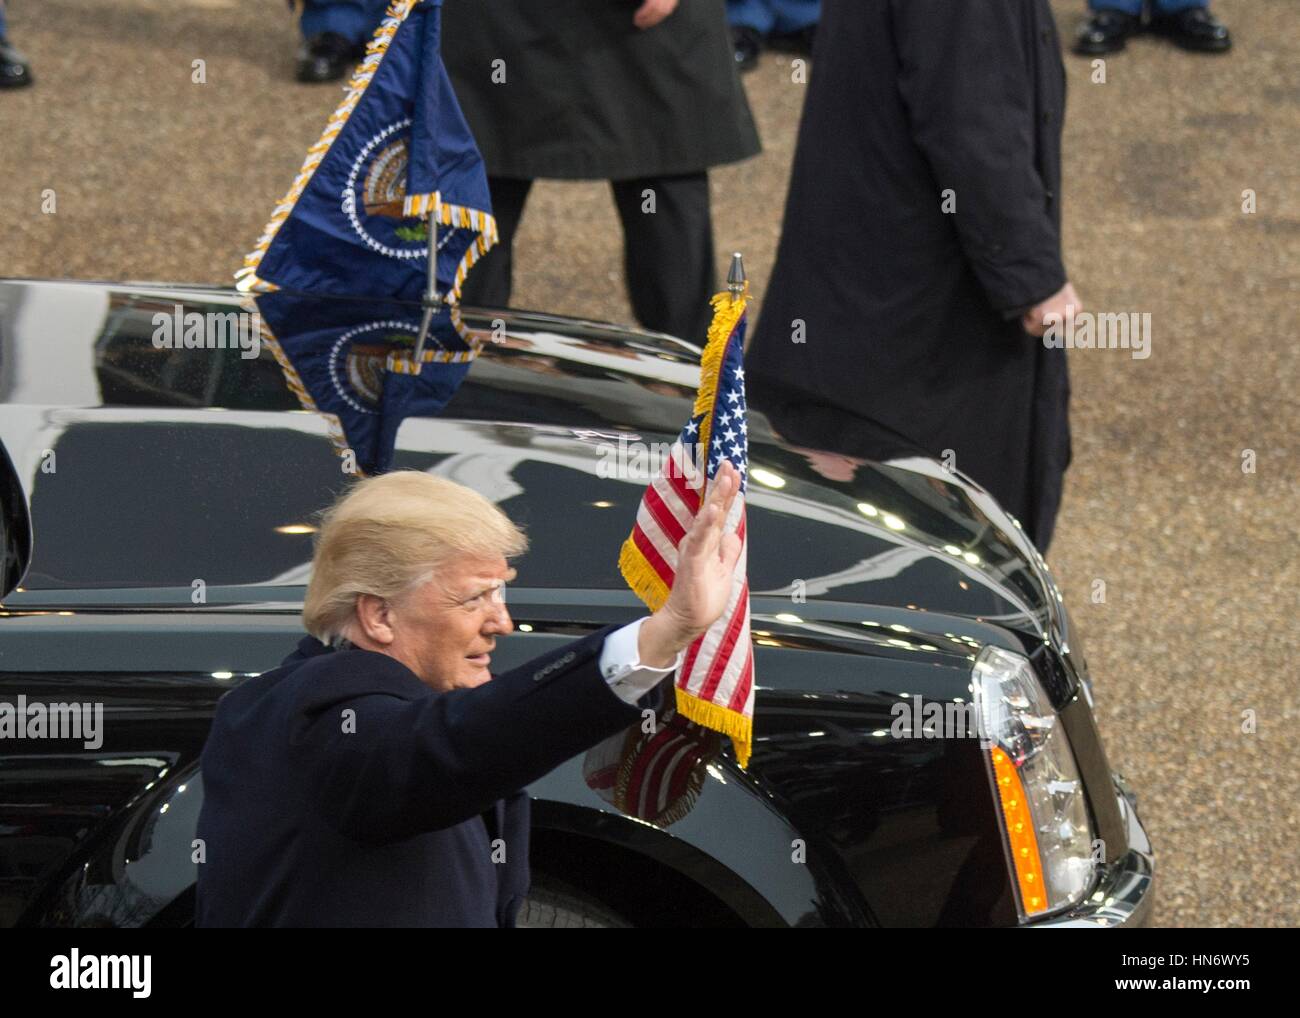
736	277
432	302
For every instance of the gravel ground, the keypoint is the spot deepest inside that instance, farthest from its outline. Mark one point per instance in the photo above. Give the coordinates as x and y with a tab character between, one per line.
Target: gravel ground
160	178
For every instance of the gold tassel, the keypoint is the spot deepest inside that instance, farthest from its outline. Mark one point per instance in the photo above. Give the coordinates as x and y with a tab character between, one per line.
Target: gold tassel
727	310
641	576
720	719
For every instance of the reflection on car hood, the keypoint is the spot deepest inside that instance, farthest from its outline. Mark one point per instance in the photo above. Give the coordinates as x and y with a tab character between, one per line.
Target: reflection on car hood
184	467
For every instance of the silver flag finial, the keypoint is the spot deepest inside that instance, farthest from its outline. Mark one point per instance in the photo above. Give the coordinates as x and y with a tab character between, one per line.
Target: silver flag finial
736	276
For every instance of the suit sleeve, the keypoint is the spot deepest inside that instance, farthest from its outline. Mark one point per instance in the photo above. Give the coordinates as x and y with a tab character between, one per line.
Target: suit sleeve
411	766
969	97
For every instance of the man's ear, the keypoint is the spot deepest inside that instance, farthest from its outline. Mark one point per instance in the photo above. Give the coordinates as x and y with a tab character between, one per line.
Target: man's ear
375	618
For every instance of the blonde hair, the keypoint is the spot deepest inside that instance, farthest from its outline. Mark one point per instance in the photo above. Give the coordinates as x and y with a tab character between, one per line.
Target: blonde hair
387	534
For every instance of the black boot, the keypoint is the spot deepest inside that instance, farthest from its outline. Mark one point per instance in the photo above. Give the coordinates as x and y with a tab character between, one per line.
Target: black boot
747	44
1194	29
1105	32
326	57
14	69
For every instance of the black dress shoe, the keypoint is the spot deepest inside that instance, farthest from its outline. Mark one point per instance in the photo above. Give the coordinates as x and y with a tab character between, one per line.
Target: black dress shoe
14	69
325	57
1195	29
1106	32
747	45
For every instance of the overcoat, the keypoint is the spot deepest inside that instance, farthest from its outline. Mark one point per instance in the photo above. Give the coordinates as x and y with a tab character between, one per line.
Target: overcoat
923	218
340	790
571	89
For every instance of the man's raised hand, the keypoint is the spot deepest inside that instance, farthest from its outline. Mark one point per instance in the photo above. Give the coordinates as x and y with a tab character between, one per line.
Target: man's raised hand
706	563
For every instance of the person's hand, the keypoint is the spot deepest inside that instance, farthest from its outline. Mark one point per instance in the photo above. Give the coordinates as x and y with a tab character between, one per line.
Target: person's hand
1059	307
651	12
706	562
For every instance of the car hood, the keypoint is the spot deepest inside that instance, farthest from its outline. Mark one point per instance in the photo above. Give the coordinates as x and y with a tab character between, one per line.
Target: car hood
195	475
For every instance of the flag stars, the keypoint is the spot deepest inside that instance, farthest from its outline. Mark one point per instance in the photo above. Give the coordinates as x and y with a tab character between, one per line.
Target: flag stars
724	418
691	427
733	396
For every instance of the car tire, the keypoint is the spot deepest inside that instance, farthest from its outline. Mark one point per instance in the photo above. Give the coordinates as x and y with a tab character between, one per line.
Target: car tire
554	905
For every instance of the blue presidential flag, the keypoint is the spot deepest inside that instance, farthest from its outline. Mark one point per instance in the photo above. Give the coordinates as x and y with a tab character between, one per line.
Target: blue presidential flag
395	151
395	157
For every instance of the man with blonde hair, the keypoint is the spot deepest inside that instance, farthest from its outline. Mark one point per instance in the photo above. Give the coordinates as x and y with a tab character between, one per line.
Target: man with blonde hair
376	777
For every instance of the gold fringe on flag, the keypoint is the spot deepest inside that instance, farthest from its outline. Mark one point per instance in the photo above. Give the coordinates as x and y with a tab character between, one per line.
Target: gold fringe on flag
727	310
402	362
641	576
720	719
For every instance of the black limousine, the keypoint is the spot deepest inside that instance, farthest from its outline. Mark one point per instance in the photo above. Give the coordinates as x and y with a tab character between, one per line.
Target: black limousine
156	511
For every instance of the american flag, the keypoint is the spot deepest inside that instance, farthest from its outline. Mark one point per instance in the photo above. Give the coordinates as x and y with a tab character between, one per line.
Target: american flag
715	684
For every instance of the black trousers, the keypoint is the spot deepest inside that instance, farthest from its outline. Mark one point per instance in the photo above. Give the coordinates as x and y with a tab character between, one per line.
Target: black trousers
667	252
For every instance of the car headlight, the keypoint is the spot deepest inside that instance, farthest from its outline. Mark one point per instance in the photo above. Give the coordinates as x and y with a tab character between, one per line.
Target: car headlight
1038	789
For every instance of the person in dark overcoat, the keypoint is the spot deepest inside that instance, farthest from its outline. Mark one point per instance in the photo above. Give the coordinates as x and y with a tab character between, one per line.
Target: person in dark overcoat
920	255
642	94
378	776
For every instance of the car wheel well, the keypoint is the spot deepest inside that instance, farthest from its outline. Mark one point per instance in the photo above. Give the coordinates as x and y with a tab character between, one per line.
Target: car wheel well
644	890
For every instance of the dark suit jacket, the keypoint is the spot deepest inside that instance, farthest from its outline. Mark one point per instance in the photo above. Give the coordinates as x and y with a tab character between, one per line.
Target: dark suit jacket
339	790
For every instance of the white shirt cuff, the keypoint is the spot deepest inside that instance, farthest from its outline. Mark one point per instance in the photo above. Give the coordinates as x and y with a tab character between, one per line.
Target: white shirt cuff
620	663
